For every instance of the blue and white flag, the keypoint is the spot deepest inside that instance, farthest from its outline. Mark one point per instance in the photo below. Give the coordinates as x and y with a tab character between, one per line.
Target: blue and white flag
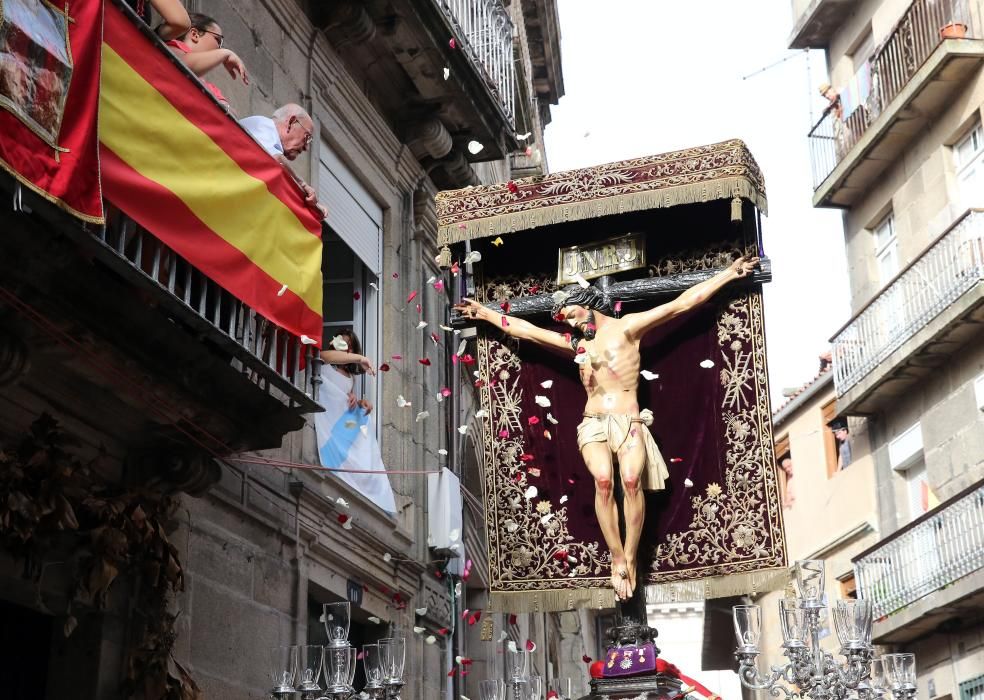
346	441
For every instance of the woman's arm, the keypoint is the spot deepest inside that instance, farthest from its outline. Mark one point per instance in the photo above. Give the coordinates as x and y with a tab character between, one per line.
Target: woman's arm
339	357
175	16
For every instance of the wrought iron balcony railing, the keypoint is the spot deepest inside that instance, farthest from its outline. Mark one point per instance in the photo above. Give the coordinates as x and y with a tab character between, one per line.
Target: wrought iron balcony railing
922	28
948	268
485	32
932	552
267	355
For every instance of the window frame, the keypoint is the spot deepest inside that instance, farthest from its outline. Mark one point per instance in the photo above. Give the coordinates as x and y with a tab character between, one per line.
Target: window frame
973	168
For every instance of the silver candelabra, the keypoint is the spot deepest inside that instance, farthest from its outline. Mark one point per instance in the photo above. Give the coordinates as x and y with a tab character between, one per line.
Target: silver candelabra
298	669
811	671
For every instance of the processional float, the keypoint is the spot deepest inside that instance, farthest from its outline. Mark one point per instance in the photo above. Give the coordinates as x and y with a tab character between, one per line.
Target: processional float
641	232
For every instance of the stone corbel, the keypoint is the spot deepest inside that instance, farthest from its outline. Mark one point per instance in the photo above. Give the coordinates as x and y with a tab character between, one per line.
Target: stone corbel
14	361
172	469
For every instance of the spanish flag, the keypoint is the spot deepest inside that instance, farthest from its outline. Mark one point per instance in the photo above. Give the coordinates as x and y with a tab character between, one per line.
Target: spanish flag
178	165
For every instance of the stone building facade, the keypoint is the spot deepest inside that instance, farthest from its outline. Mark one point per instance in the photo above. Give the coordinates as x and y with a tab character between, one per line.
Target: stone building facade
899	150
397	112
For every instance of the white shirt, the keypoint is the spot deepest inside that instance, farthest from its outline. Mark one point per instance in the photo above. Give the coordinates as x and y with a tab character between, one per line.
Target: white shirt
264	130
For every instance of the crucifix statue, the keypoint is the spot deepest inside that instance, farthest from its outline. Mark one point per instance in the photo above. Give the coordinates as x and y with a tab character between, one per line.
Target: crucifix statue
614	429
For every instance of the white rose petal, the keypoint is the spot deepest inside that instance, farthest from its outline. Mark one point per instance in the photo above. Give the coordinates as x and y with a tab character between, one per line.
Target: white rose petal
473	257
421	325
475	147
454	535
512	646
439	396
364	429
462	429
374	286
552	419
503	636
430	639
447	72
523	137
347	525
402	402
462	346
422	416
481	413
581	281
375	620
442	452
581	359
431	280
542	401
387	557
547	384
322	619
457	590
546	518
559	297
449	329
342	502
648	376
339	343
707	364
283	290
563	499
418	630
420	611
308	341
531	492
688	483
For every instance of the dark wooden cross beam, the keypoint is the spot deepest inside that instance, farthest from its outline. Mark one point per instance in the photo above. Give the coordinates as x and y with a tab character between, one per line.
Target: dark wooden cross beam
652	289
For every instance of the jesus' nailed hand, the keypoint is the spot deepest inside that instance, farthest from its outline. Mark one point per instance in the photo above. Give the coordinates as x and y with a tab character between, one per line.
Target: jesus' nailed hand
612	422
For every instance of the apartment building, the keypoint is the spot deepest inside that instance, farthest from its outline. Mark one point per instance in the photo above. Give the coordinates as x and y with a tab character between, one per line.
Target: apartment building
900	150
399	92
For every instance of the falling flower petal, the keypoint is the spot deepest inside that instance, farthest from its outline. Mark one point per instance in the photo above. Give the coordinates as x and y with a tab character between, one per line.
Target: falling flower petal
347	525
475	147
547	384
305	340
513	187
676	460
422	325
424	361
419	630
547	435
411	296
512	646
430	639
439	285
396	357
384	367
445	392
581	281
563	499
283	290
533	471
435	338
533	420
688	483
447	72
648	376
462	429
505	321
452	43
528	152
523	137
449	329
552	419
454	266
586	659
387	557
423	415
467	359
530	645
339	343
481	413
707	364
580	359
442	452
343	518
402	402
497	241
342	502
374	286
531	492
473	256
542	401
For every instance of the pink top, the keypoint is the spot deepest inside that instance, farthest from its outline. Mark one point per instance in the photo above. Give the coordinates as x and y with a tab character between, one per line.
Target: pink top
184	48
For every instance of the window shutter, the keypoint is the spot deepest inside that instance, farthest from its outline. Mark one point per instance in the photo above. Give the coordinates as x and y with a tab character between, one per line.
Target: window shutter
352	212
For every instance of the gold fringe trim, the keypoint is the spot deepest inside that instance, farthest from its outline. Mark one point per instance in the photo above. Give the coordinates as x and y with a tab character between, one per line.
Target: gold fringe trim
44	195
751	583
551	601
514	222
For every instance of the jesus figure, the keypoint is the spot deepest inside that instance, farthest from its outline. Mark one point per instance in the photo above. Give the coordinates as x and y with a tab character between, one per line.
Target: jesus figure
613	423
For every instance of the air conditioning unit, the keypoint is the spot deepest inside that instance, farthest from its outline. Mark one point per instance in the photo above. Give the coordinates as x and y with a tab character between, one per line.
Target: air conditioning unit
444	514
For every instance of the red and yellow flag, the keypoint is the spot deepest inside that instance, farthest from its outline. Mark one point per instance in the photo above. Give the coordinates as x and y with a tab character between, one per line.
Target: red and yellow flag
178	165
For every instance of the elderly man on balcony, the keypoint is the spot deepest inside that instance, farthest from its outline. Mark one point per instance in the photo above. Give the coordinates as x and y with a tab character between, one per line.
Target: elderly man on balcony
286	136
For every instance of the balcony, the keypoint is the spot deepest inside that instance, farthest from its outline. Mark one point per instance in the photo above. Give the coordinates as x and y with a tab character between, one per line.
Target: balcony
914	323
928	572
399	52
912	77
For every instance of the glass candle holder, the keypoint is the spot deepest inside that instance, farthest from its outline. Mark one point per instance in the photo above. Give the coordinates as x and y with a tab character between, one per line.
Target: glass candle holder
748	626
372	665
792	620
337	617
310	659
852	622
339	667
878	680
392	652
492	690
283	668
535	688
809	580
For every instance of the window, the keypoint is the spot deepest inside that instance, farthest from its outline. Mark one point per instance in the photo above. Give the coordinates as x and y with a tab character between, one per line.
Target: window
848	587
784	471
972	689
830	446
863	50
886	248
968	155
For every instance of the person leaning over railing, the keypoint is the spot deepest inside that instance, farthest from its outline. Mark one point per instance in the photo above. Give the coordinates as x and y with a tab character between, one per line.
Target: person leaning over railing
201	50
287	135
174	16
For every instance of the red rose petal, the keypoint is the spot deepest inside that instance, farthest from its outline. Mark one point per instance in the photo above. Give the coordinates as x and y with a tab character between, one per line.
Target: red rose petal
581	350
479	383
455	269
530	646
512	618
435	338
618	307
534	289
396	275
534	471
560	555
451	672
551	694
454	358
357	295
533	420
411	296
397	357
505	307
343	518
418	308
513	187
384	367
425	361
503	434
526	457
676	460
443	631
452	43
586	659
567	338
439	285
505	321
467	359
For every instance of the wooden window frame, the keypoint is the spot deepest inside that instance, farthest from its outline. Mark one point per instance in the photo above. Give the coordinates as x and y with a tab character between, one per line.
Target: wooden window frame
829	413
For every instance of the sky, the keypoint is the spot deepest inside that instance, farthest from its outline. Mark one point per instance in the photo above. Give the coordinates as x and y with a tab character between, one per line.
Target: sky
649	76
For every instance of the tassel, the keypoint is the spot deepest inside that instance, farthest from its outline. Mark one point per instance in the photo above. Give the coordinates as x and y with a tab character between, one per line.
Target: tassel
486	633
444	258
736	208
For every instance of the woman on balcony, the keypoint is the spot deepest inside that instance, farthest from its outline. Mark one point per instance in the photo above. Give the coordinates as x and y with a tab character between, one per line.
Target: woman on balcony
201	50
346	435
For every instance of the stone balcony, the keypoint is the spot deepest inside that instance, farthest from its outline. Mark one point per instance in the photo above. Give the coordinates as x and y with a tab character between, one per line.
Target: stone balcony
912	77
933	306
928	572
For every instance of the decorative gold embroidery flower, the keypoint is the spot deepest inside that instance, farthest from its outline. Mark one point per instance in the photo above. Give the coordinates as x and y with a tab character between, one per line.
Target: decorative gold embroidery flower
744	536
522	557
543	507
713	490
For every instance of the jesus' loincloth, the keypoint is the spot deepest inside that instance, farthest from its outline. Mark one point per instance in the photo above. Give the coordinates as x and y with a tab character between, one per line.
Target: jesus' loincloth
616	429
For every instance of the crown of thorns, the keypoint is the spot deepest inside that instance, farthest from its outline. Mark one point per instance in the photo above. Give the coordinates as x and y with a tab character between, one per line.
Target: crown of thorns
589	297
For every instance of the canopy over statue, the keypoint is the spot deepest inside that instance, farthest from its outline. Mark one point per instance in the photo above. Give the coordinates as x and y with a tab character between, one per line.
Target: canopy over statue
643	231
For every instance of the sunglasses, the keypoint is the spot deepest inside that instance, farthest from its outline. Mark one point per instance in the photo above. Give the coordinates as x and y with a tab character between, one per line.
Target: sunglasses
218	37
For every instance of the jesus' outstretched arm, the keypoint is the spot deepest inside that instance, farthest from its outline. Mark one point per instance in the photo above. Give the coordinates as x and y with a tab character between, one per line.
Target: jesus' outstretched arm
516	327
638	324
